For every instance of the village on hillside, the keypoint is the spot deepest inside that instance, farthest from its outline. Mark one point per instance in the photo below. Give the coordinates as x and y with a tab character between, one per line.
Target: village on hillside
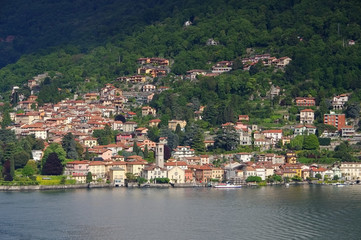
116	162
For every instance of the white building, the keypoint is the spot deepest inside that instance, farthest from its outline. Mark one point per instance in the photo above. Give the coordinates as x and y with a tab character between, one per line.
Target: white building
304	130
275	135
339	101
351	170
347	131
152	172
182	152
243	156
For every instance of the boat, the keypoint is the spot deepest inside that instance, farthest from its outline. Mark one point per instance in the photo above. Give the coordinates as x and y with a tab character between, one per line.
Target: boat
227	185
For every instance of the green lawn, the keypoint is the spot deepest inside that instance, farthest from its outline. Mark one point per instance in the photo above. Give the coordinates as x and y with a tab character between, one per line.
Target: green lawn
52	180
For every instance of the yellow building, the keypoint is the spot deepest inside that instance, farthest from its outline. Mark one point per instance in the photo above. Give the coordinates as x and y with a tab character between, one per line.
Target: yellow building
90	142
292	170
291	157
97	168
217	173
135	168
117	176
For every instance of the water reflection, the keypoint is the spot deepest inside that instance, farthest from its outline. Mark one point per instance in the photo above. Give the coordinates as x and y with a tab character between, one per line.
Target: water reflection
297	212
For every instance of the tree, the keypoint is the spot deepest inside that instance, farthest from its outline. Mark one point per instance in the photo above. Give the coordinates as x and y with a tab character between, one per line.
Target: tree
87	154
343	152
104	136
311	142
6	120
7	136
318	176
52	165
167	152
198	142
254	179
79	149
9	151
12	168
136	149
153	134
89	177
28	171
33	165
130	177
256	68
120	117
274	178
38	145
297	143
6	171
194	137
146	152
210	113
56	148
227	139
69	145
172	138
353	110
20	159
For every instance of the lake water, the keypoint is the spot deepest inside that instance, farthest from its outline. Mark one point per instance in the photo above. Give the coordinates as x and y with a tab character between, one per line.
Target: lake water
297	212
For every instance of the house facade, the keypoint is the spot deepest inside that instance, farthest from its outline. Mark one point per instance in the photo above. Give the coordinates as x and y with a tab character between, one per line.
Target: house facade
307	116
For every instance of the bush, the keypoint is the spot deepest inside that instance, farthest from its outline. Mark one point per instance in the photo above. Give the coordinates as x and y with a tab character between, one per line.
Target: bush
296	178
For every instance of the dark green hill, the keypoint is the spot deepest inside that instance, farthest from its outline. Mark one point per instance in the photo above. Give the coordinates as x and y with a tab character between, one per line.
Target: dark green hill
28	26
314	34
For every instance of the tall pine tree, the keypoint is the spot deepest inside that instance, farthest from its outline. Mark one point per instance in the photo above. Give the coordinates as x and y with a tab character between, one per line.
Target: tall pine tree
69	145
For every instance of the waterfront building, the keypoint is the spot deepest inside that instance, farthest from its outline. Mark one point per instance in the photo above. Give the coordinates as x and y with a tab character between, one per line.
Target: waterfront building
152	172
117	176
351	171
176	175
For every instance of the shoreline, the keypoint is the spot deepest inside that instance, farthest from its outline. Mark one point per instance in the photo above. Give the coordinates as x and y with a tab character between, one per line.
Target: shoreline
159	186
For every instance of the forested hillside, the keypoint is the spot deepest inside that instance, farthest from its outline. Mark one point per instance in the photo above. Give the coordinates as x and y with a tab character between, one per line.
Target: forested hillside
315	34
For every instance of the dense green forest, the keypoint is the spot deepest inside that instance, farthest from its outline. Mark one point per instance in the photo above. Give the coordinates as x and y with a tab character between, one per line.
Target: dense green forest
314	34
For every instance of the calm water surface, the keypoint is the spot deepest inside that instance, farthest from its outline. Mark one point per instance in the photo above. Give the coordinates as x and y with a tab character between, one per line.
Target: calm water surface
297	212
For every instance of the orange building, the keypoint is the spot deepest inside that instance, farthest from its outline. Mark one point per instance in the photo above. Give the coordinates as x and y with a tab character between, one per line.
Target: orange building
336	120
